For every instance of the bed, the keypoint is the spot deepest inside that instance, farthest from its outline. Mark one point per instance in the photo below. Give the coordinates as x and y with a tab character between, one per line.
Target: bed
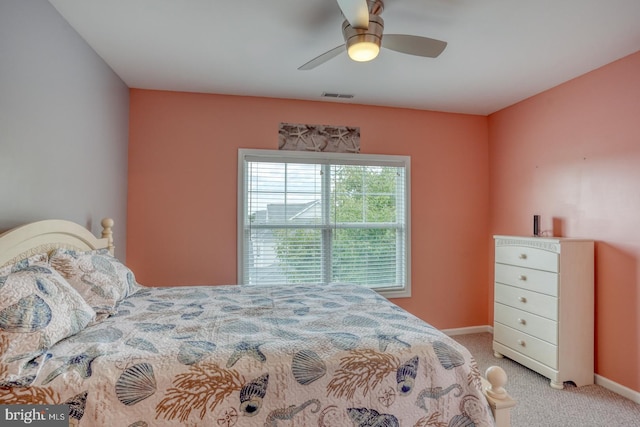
77	329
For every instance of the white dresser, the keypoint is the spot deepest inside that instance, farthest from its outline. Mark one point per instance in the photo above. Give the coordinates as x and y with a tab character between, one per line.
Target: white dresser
544	306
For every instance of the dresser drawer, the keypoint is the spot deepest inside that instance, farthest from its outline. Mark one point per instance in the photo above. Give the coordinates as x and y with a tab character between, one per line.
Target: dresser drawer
523	321
530	346
534	280
527	257
532	302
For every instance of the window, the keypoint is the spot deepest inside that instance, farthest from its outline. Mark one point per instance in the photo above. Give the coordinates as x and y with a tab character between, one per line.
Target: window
307	217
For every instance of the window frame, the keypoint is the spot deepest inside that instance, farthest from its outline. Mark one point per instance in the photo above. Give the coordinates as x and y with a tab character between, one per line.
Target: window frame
281	156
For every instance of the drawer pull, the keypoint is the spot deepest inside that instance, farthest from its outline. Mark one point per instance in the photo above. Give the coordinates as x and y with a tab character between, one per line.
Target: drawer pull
522	321
521	343
522	277
522	299
522	256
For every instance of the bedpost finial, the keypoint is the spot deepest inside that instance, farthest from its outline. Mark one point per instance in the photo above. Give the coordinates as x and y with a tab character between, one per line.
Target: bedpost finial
107	233
497	377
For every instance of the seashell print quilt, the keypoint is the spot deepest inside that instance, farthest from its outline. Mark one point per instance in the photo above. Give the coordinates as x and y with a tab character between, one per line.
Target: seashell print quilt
291	355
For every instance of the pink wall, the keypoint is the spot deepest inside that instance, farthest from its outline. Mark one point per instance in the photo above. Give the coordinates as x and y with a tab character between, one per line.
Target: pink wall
572	155
183	184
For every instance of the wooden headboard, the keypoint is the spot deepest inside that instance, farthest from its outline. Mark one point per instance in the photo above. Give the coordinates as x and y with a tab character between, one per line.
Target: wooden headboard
47	235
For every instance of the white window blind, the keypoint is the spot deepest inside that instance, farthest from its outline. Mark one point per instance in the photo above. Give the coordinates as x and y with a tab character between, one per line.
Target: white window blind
324	217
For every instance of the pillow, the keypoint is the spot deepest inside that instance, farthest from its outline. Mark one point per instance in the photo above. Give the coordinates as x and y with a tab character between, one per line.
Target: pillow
38	308
23	263
100	278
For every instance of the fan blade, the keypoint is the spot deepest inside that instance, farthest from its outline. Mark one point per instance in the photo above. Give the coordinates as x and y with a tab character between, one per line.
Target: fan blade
356	12
414	45
319	60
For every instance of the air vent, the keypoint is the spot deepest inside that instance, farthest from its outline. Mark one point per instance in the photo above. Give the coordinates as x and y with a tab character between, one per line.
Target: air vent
336	95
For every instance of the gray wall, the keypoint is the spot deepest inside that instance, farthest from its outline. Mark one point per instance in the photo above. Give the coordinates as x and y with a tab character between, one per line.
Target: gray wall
64	118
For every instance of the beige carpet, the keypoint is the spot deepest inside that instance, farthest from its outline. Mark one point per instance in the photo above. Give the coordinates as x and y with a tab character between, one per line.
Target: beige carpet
541	405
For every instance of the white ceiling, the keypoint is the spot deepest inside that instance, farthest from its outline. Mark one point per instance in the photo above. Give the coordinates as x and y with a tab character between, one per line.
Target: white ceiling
499	51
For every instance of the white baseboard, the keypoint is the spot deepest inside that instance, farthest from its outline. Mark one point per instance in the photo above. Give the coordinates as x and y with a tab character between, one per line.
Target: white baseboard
468	330
623	391
618	388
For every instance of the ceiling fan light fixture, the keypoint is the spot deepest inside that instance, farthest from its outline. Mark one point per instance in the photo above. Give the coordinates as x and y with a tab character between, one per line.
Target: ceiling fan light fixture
363	44
363	51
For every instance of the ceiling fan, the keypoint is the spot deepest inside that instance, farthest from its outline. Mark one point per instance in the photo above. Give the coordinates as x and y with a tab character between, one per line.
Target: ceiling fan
362	31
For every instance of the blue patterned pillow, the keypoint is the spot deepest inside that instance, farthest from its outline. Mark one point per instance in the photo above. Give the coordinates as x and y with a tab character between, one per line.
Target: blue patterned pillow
101	279
38	308
23	263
